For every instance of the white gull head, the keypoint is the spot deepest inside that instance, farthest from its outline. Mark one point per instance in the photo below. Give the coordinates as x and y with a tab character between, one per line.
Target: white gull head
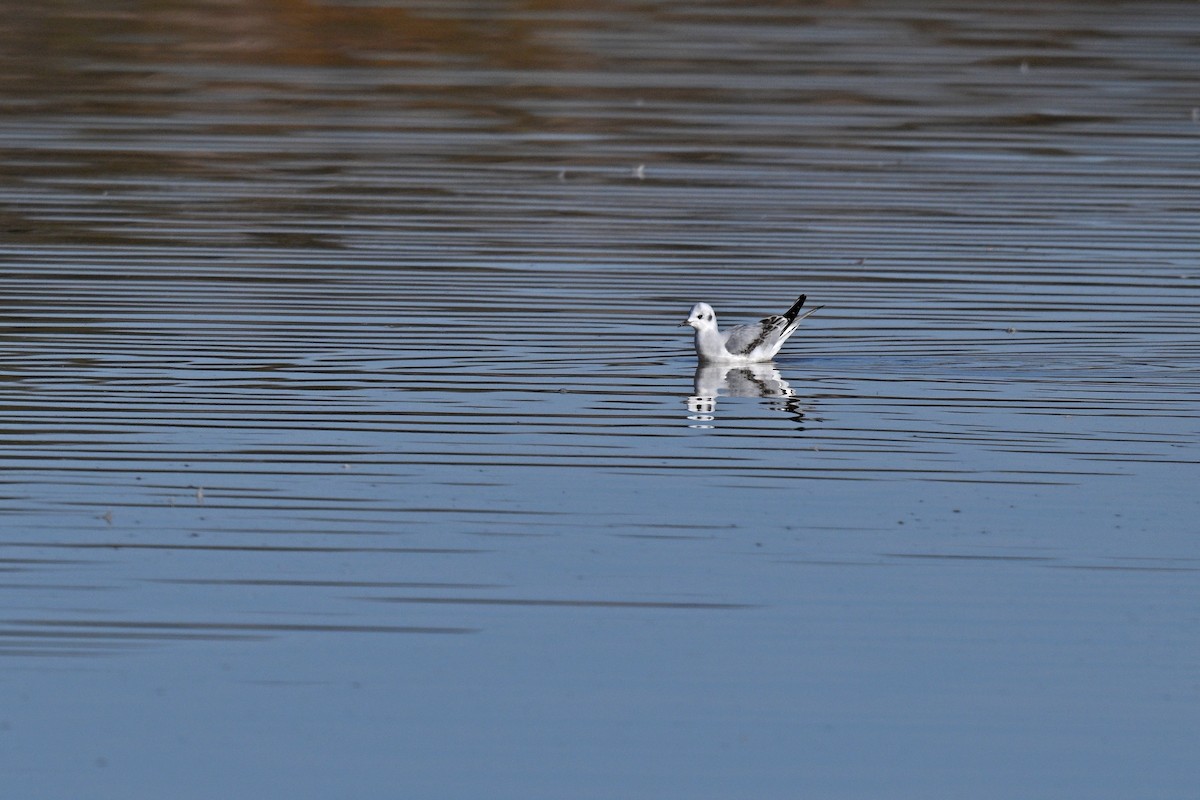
702	317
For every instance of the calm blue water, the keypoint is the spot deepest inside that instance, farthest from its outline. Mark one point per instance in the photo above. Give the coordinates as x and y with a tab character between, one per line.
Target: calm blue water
349	446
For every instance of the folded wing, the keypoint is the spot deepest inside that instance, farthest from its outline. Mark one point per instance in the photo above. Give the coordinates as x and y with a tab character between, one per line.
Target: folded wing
762	340
745	339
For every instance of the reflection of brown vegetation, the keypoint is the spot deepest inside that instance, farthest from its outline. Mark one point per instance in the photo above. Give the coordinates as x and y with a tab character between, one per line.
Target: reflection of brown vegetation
304	32
291	32
116	104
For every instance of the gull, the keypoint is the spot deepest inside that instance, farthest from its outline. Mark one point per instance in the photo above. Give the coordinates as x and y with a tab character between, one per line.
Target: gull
745	344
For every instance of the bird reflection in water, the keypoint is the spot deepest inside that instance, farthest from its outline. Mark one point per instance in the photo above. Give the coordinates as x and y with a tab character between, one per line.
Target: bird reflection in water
745	380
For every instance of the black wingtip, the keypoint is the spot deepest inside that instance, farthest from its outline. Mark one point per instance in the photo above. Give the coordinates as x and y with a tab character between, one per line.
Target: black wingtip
794	310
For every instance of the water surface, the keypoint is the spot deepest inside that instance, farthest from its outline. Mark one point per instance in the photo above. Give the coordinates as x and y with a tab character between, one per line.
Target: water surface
350	446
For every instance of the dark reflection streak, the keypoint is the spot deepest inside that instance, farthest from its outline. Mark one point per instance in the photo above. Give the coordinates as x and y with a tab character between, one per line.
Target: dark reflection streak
266	627
1010	482
497	601
1115	568
244	548
663	536
57	587
827	563
965	557
326	584
860	472
127	635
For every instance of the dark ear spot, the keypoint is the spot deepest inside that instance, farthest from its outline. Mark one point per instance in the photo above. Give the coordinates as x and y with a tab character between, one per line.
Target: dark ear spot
709	317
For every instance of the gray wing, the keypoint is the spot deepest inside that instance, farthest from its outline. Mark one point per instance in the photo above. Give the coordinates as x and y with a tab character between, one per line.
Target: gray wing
744	339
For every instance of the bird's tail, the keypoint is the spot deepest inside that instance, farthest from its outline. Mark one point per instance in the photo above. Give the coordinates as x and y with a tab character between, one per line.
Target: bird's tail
790	314
794	317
